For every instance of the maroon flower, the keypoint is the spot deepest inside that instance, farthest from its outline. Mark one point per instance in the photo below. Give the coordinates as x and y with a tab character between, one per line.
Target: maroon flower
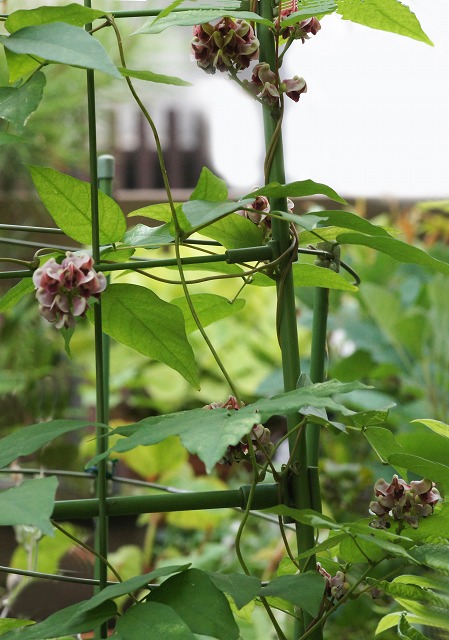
336	586
225	45
294	87
63	290
402	501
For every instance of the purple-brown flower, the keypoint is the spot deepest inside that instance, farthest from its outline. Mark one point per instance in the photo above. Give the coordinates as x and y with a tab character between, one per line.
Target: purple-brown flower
225	45
402	501
337	585
294	87
63	290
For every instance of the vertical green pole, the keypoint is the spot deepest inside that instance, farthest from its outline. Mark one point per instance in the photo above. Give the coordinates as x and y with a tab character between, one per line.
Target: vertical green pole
106	170
288	334
101	531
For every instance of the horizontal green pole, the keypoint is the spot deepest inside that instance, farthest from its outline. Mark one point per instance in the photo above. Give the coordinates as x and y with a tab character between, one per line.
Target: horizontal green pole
250	254
266	495
27	228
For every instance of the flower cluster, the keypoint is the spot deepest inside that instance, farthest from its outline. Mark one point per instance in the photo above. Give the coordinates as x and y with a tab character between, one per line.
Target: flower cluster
336	586
63	290
264	84
299	30
402	501
229	44
260	435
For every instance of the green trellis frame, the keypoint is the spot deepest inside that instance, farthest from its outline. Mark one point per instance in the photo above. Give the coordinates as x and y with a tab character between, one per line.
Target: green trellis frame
303	486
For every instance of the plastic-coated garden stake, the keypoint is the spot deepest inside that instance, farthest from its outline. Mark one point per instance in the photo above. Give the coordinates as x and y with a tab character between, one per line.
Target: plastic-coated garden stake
288	334
101	532
317	374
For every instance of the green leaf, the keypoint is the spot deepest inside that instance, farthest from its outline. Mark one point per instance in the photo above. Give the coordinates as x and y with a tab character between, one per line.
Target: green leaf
209	308
204	608
16	293
309	275
152	620
151	237
344	220
68	202
400	251
61	43
9	138
129	586
191	17
150	76
74	14
136	317
438	427
200	213
305	590
18	103
12	623
234	232
435	556
209	187
160	211
21	66
27	440
405	630
412	593
298	189
306	516
68	621
426	468
386	15
240	587
208	433
312	8
30	503
383	442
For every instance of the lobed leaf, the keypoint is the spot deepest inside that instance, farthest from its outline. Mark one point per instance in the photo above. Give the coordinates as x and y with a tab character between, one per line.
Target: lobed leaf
208	433
62	43
68	201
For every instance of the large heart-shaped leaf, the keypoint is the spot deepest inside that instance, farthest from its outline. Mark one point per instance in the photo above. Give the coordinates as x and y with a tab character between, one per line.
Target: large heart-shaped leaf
61	43
68	201
138	318
199	603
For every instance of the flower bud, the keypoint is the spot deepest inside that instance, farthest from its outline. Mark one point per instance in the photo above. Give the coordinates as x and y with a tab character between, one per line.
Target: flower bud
294	87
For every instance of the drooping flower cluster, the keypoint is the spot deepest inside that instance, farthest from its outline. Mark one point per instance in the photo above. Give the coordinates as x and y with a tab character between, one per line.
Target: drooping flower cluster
63	290
336	586
260	435
402	501
225	45
299	30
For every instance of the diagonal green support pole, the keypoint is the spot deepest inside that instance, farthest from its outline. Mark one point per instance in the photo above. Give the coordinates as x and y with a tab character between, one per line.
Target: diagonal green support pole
299	489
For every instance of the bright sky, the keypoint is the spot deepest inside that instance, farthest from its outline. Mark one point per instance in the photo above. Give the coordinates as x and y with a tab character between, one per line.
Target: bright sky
375	120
